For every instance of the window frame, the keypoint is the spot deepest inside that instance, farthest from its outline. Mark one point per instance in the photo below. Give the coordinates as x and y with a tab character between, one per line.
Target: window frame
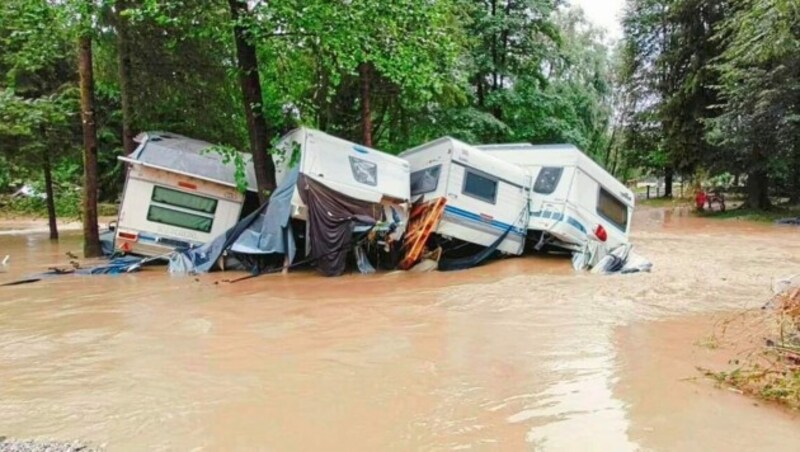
495	180
353	160
438	179
167	203
157	206
558	181
622	227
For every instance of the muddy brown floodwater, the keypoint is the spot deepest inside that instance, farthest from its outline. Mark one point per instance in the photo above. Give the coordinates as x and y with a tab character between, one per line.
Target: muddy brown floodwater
520	355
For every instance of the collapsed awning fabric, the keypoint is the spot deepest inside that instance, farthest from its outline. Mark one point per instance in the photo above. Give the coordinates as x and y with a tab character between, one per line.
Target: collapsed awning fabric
265	232
332	217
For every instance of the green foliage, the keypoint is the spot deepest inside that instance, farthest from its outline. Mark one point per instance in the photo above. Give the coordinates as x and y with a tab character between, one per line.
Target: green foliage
713	86
230	156
479	70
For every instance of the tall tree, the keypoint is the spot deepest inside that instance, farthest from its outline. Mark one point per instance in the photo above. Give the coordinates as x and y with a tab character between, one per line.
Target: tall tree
91	234
125	68
760	94
260	135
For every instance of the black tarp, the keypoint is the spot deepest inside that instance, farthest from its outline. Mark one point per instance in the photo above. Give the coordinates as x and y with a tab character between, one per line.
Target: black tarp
332	217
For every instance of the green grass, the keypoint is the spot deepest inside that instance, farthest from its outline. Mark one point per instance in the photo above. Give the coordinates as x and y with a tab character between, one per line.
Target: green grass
762	216
67	207
664	202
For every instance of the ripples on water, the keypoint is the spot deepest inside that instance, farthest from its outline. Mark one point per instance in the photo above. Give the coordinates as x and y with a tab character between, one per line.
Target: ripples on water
516	355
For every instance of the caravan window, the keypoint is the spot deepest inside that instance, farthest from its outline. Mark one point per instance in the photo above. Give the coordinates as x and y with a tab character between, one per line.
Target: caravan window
180	219
189	201
613	210
548	180
480	186
425	181
364	172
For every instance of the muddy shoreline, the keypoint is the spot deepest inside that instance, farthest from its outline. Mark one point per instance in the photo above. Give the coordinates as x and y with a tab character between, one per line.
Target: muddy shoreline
673	406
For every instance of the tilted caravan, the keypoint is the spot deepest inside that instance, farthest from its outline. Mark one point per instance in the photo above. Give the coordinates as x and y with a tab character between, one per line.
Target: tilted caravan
345	167
371	178
485	196
178	193
571	196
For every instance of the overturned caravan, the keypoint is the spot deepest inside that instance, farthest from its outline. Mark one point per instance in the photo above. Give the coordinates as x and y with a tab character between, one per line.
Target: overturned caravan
334	197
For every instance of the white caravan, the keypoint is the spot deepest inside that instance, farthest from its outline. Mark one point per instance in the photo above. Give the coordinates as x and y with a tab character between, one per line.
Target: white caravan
485	196
572	197
178	193
348	168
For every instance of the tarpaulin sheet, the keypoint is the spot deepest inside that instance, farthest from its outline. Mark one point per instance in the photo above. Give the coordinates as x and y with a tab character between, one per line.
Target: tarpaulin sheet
332	217
267	231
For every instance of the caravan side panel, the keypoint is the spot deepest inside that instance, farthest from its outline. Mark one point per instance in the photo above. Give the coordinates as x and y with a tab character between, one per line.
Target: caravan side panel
354	170
478	221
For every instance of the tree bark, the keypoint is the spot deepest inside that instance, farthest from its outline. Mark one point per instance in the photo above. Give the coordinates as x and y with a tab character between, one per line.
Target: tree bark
51	199
125	79
794	197
757	197
669	177
365	78
91	234
260	137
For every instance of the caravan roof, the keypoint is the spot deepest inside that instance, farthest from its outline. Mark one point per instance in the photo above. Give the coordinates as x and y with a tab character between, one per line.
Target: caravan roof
565	155
189	157
486	162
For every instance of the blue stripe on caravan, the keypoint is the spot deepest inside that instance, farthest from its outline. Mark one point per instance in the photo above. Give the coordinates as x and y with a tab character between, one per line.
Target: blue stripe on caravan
576	224
476	217
557	217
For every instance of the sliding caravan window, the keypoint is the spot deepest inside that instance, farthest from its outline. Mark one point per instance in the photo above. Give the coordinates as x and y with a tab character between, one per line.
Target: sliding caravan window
480	186
548	180
179	219
426	180
189	201
364	172
613	210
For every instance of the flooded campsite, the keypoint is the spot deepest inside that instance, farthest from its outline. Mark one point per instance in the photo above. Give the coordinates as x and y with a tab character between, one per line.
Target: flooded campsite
406	225
523	353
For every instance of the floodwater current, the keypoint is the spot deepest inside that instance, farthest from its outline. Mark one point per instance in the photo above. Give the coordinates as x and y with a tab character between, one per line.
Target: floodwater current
522	354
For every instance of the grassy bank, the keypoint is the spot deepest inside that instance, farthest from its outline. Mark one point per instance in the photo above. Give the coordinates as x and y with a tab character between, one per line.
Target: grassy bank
770	370
764	216
67	208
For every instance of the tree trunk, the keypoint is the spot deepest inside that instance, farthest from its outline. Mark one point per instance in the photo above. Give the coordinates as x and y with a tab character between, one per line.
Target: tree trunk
794	198
757	195
365	79
51	199
260	137
125	79
669	177
91	234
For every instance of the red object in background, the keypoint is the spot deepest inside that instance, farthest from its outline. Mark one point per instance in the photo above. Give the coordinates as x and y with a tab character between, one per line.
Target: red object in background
601	233
701	199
